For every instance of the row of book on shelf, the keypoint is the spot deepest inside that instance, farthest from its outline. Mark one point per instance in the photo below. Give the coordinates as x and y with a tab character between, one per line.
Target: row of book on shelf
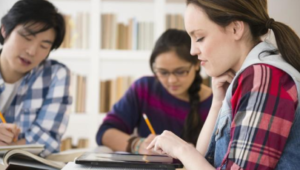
174	21
134	35
77	29
110	92
79	93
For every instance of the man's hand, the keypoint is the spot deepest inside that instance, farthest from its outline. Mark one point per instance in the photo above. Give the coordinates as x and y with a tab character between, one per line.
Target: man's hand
8	133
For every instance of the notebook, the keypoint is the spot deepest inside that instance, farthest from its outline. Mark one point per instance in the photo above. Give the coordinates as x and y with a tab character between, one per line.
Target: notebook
126	160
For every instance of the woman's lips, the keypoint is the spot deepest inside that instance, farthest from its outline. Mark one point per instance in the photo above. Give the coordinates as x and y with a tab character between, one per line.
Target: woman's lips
174	87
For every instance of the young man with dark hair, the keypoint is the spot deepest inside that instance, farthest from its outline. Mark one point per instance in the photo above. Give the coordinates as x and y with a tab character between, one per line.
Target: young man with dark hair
34	91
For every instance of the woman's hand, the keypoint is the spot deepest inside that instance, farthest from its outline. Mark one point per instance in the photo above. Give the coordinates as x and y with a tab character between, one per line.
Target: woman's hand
220	85
8	133
170	144
143	147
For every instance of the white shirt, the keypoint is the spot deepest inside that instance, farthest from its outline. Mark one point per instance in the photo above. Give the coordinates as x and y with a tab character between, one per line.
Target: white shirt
8	95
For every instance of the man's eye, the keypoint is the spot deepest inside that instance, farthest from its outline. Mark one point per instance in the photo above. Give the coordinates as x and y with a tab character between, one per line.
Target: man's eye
44	47
26	37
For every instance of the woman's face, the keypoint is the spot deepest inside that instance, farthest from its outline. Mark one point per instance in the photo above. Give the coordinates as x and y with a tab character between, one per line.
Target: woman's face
175	74
214	45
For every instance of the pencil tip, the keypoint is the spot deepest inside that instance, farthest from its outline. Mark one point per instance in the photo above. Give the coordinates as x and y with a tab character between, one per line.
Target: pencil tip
145	116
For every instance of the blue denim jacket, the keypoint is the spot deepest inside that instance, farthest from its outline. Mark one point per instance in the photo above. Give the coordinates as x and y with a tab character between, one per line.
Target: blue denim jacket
290	158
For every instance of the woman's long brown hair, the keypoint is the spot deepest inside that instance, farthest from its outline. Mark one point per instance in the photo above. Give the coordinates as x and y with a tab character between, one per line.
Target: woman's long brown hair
255	13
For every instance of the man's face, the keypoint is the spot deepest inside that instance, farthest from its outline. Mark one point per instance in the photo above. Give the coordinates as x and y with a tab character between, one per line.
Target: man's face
22	50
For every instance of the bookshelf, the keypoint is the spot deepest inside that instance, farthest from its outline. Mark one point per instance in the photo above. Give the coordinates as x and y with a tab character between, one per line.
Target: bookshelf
103	64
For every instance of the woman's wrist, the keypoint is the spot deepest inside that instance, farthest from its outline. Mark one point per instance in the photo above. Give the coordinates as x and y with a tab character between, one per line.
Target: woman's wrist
136	145
184	150
130	142
216	104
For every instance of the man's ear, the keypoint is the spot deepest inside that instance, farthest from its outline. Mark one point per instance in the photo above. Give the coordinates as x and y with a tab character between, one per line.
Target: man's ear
238	29
3	32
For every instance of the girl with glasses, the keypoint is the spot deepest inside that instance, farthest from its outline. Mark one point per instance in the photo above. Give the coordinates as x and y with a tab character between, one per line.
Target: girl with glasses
174	99
254	119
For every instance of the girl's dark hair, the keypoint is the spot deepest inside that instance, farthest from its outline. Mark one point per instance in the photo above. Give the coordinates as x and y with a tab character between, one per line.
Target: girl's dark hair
31	12
180	42
254	13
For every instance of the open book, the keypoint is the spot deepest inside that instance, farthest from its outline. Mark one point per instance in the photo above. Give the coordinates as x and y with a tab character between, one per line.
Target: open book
32	148
26	156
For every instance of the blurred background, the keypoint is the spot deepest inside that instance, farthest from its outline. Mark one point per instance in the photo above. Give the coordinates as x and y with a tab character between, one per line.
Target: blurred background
107	46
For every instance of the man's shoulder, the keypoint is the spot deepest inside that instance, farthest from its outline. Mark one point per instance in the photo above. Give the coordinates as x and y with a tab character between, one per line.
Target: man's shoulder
50	66
54	64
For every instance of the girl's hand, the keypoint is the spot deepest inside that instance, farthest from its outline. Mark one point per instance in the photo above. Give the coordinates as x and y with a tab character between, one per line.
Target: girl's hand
168	143
143	147
220	85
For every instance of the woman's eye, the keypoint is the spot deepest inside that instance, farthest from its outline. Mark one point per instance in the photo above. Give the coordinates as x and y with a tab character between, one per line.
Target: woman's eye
180	72
200	39
164	73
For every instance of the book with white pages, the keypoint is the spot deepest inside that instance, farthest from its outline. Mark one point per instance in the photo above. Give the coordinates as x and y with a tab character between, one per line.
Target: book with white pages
32	148
26	157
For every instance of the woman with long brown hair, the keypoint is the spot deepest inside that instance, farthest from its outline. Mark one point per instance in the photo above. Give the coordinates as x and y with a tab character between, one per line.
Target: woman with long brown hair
254	119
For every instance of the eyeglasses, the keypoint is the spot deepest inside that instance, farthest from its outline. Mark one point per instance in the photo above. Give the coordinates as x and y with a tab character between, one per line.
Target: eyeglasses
179	73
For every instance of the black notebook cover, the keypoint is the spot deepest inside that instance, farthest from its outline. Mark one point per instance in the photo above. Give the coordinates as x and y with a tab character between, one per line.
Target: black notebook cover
141	161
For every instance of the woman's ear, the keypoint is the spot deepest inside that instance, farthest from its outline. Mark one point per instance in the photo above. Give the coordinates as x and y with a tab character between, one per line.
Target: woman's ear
3	32
238	29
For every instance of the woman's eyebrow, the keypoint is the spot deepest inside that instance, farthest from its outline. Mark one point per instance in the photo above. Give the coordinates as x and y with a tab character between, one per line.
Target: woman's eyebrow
178	68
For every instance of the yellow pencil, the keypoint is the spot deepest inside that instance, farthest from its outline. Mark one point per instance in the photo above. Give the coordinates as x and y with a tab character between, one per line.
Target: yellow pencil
4	121
2	118
148	124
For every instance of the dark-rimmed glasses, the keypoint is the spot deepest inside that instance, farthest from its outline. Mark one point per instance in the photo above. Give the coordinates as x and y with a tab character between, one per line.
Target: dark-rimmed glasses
179	73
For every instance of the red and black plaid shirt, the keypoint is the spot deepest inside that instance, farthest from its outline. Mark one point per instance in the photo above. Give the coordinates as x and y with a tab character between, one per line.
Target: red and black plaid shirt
264	103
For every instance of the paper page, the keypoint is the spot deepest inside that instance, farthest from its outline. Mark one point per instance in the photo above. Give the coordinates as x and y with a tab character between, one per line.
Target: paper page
32	148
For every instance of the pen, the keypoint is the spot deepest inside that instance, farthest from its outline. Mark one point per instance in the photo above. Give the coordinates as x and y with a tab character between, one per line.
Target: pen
4	121
148	124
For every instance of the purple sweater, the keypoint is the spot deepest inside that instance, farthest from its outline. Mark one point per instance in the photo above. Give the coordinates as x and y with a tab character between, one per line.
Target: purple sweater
164	111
